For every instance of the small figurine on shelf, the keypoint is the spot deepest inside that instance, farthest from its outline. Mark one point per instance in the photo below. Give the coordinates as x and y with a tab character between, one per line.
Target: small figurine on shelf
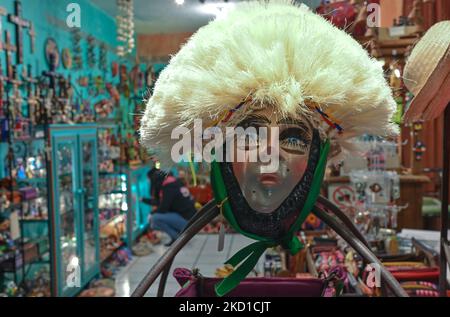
21	130
11	289
5	203
31	167
6	243
103	108
20	170
123	152
40	165
133	151
113	92
124	85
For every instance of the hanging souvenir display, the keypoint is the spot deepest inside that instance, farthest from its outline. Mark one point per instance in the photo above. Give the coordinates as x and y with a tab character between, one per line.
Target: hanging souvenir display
113	92
138	110
20	123
419	150
76	48
33	95
133	151
2	13
417	126
124	86
133	78
91	56
9	48
114	69
125	27
109	151
104	108
359	27
20	25
32	34
52	53
103	57
375	187
136	79
150	77
340	13
83	81
67	58
84	112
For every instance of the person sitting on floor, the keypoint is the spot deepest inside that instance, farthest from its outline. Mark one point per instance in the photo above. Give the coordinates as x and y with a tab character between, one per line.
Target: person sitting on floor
172	208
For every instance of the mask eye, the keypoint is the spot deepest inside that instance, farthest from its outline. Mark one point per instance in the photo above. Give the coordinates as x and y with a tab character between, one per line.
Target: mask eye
249	140
293	140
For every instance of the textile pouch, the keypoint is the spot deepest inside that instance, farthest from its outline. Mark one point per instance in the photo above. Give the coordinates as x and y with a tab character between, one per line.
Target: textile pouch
195	285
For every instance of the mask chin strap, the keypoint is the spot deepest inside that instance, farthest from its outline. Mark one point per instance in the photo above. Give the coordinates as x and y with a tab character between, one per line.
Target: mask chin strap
245	259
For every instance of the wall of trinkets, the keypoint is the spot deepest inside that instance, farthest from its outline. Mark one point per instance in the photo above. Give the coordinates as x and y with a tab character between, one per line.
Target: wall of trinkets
388	192
57	75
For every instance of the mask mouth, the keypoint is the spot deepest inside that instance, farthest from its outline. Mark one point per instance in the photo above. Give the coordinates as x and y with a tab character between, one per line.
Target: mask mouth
271	224
269	180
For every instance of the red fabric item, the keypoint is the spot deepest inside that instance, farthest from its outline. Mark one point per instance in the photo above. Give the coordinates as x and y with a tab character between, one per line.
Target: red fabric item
169	180
341	13
202	194
430	275
250	287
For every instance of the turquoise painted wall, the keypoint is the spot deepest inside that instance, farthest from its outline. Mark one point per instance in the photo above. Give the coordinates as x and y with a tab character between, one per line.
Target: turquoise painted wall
49	19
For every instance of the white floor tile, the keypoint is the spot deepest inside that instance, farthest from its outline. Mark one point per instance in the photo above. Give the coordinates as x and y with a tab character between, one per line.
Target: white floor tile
201	253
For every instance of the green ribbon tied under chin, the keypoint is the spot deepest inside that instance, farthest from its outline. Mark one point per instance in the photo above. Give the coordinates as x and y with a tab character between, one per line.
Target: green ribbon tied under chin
246	259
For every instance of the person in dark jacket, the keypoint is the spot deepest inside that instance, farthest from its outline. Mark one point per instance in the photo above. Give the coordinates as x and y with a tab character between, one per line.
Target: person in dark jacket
156	177
173	205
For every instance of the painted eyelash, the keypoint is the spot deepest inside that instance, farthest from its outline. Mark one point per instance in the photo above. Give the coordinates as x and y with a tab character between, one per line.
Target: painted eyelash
298	144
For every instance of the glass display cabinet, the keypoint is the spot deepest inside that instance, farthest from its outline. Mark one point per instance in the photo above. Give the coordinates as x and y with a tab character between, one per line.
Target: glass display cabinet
138	186
123	217
74	207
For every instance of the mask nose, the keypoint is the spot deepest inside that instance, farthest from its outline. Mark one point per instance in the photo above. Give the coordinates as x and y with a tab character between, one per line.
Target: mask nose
269	150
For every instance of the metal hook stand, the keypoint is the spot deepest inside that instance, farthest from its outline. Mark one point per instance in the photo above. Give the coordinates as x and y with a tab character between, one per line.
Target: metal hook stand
321	200
210	211
202	218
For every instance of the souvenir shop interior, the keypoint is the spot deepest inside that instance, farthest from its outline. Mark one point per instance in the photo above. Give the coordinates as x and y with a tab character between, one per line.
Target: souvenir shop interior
75	80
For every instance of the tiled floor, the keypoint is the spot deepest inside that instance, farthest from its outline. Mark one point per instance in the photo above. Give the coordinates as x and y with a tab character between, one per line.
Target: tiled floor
201	252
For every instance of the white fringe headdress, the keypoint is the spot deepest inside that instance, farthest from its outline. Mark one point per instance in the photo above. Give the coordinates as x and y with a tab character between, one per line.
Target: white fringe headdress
276	54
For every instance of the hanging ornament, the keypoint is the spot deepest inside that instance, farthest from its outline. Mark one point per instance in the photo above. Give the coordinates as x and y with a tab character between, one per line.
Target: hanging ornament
125	27
341	13
419	150
150	77
76	48
103	56
114	69
51	52
418	126
92	60
67	58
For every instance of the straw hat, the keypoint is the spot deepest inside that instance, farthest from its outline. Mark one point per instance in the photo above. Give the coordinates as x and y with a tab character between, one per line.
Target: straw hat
427	74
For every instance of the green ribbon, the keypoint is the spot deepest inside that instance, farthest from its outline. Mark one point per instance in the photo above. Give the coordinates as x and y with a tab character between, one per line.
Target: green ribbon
245	259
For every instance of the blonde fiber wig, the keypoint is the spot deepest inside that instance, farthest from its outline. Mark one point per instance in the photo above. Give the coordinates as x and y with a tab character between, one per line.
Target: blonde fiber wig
277	54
